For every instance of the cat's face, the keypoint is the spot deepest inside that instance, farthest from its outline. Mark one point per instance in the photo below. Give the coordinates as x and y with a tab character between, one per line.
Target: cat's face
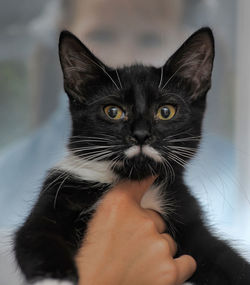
143	120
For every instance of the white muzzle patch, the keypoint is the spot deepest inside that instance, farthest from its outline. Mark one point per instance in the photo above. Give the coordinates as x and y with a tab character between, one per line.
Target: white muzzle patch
146	150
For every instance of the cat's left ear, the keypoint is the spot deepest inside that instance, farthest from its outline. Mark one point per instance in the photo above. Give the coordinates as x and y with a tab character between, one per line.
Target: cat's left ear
79	66
193	62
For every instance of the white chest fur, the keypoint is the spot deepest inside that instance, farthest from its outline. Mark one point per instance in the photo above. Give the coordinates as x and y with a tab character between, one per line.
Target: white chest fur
96	171
153	199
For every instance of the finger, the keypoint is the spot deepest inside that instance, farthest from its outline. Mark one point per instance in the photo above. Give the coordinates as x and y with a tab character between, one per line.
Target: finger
186	266
171	243
135	189
157	219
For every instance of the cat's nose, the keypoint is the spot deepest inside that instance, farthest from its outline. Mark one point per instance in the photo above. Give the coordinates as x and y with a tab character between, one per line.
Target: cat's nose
141	136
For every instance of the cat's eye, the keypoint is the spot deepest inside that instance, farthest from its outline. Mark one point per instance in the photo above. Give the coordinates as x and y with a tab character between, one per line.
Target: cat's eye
114	112
166	112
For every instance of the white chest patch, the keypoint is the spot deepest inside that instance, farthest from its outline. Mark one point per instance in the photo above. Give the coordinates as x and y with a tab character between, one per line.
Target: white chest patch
96	171
153	199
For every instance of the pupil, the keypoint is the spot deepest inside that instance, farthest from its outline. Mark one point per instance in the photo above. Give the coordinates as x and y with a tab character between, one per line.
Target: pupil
165	112
113	112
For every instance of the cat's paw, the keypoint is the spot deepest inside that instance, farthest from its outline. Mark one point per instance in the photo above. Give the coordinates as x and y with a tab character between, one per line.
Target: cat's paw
53	282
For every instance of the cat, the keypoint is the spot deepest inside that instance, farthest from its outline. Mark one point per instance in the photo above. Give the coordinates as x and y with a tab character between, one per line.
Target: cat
127	123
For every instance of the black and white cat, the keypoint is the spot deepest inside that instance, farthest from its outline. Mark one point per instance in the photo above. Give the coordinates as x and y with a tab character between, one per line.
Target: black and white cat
127	123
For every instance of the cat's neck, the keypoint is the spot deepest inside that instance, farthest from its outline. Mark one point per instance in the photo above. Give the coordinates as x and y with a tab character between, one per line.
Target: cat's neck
99	171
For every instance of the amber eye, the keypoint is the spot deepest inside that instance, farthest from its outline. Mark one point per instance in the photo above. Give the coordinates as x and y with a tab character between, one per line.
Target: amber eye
166	112
114	112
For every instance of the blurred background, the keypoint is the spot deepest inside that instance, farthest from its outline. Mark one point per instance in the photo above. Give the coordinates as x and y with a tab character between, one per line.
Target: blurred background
34	119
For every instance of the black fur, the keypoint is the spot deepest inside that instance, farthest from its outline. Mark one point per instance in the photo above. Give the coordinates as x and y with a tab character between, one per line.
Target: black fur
46	244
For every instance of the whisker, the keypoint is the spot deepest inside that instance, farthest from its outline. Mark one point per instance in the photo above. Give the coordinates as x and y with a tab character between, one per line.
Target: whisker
186	155
185	139
131	170
172	77
95	147
86	138
159	86
185	150
177	159
98	100
99	135
153	173
60	186
91	153
169	166
178	69
98	65
171	169
96	156
167	170
115	160
54	180
182	147
180	133
118	78
92	139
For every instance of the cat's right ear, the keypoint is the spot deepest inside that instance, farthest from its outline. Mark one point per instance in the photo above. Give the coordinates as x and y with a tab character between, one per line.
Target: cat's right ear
78	64
193	62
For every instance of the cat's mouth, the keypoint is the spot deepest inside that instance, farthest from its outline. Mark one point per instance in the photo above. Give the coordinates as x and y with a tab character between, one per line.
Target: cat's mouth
144	150
140	162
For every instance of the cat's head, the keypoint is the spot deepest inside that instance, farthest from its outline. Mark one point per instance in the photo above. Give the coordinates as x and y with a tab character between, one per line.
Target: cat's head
139	119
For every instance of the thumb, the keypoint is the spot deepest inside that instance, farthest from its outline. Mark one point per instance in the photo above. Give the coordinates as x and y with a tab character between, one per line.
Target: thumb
135	189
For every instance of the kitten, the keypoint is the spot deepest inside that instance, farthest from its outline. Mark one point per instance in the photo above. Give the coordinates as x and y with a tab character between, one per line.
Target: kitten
127	123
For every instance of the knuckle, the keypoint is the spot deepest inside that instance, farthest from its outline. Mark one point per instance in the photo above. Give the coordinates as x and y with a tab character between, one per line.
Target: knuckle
163	246
148	225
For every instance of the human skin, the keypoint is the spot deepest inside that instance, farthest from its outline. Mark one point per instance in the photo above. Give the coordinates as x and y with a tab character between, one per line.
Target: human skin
126	244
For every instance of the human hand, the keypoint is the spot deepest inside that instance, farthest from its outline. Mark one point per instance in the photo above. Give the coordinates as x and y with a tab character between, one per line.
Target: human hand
126	245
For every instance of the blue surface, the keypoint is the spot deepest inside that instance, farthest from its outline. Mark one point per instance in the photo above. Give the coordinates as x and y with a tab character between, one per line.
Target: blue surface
24	165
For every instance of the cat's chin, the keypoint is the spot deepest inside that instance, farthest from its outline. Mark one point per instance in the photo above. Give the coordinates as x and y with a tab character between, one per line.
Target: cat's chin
133	175
138	168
